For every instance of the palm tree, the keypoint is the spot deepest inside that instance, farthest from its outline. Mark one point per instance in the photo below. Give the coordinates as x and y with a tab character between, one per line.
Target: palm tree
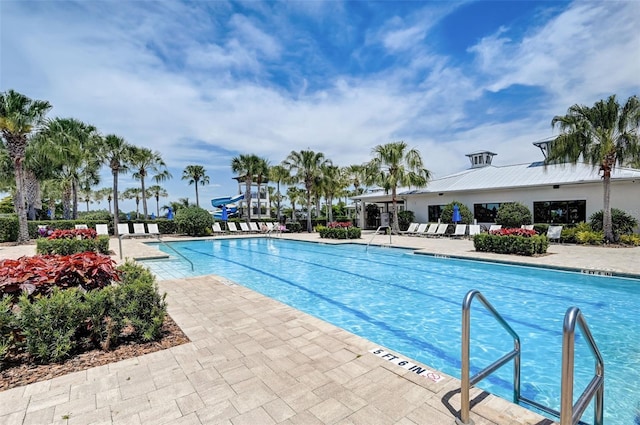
262	176
133	193
603	136
143	161
331	184
115	152
395	165
157	191
247	167
196	174
279	174
104	193
295	195
19	117
305	167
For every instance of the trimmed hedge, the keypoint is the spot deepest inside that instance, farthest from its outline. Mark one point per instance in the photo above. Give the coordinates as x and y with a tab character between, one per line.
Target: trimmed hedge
339	232
518	245
72	246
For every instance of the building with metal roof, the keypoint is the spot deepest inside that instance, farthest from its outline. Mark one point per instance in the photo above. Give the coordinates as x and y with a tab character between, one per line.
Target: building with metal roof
555	193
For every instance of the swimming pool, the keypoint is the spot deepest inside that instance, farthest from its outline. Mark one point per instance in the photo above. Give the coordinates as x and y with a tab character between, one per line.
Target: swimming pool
412	305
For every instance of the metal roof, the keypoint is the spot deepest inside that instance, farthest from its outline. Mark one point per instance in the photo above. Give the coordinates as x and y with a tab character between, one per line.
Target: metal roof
514	176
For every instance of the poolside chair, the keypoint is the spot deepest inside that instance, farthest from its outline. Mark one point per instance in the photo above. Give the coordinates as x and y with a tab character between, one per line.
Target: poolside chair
431	231
527	226
442	229
153	229
420	229
474	229
253	227
81	226
411	230
123	229
102	229
495	227
217	229
554	233
138	230
232	227
460	231
244	227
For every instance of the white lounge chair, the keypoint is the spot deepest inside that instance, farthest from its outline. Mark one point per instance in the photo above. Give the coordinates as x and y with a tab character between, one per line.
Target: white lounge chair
495	227
123	229
138	230
244	227
411	229
81	226
431	231
527	226
102	229
474	229
153	229
554	233
217	229
232	227
442	229
460	231
253	226
419	230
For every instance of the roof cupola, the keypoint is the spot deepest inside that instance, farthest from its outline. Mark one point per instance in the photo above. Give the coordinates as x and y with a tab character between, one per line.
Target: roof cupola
481	158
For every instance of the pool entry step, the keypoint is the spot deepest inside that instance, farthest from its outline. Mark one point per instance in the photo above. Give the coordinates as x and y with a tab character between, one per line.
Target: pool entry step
569	413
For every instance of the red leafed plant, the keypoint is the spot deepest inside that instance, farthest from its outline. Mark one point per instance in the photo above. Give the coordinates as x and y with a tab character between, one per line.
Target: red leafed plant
39	274
73	233
339	224
514	232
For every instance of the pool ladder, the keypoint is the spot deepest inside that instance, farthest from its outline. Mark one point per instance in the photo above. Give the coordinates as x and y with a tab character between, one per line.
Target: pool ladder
375	234
569	413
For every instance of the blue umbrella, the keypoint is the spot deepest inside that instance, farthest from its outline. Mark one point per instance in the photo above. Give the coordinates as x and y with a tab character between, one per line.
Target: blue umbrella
225	215
456	213
170	214
153	216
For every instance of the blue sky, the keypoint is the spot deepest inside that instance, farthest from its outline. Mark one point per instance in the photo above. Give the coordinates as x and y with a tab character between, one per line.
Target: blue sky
203	81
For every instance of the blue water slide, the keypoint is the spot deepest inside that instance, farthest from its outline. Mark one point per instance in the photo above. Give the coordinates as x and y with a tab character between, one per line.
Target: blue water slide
218	202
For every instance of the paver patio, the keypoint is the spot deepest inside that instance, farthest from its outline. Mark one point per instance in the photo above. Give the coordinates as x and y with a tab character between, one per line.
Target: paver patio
253	360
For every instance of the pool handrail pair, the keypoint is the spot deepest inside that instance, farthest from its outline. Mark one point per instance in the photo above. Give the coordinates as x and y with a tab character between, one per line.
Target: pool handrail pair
569	413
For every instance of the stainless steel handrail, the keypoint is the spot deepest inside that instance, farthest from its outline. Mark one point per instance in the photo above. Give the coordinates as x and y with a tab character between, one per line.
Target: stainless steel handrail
374	235
570	413
176	251
467	382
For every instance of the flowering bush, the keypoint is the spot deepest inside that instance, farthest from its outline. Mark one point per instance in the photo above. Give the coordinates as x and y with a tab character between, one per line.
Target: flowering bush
513	232
73	234
339	225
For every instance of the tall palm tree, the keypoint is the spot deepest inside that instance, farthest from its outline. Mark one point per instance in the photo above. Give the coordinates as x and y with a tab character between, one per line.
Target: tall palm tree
305	167
157	191
196	174
393	165
262	176
19	117
279	174
115	152
331	184
604	135
104	193
145	161
247	167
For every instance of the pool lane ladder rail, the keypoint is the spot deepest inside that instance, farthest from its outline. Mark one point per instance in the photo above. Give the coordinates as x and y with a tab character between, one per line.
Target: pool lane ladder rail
376	233
569	413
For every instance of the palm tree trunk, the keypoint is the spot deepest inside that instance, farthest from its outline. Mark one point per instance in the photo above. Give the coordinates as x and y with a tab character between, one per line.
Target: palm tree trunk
607	225
395	229
309	228
74	198
197	196
23	227
158	205
144	198
278	205
115	200
247	198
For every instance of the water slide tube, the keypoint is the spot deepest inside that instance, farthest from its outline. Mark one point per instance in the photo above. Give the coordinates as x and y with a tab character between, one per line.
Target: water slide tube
219	202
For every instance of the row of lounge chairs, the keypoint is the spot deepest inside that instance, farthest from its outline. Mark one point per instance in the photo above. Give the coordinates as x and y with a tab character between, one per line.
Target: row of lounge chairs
440	229
251	227
152	228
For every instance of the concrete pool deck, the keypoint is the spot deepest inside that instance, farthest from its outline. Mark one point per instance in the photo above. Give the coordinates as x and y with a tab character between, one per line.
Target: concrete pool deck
253	360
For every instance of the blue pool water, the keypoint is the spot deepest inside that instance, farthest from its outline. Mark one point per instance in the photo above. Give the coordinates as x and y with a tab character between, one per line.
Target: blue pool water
412	305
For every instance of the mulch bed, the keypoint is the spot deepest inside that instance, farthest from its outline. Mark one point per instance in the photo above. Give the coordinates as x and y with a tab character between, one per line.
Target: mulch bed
18	371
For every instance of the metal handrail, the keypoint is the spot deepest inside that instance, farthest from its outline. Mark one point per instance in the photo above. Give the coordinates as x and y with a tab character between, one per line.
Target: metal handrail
374	235
467	381
570	413
176	251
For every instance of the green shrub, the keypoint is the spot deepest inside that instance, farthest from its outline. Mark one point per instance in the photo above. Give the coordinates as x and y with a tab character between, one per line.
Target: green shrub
7	326
72	246
194	221
465	213
294	226
101	215
405	218
339	232
513	214
633	239
590	237
9	228
623	223
104	320
49	324
518	245
569	233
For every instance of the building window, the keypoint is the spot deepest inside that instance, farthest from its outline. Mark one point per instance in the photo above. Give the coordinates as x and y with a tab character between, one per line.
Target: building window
563	212
435	212
486	213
